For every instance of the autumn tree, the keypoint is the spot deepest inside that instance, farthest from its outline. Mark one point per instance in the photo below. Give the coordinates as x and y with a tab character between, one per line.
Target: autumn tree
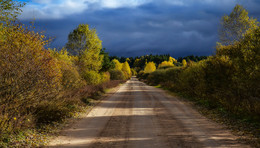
234	26
9	10
85	43
118	65
150	67
184	63
126	69
128	60
172	60
117	73
71	78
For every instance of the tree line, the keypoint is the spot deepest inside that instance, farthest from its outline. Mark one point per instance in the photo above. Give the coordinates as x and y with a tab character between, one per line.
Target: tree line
139	62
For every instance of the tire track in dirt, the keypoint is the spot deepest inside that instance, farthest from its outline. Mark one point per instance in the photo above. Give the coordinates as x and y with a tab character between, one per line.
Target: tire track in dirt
173	131
115	132
145	129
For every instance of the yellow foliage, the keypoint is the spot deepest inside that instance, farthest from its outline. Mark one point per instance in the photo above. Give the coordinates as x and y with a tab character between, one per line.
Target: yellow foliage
70	75
134	73
165	64
92	77
85	43
126	69
105	77
150	67
184	63
28	73
118	65
172	60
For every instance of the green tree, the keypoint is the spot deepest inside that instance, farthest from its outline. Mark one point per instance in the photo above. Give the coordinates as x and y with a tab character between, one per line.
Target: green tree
137	62
234	26
150	67
106	64
85	43
9	10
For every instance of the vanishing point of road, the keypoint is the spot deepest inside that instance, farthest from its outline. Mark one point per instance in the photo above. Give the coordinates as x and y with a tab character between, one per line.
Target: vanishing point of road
141	116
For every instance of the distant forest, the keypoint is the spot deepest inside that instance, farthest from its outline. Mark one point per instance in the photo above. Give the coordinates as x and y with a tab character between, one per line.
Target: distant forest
157	59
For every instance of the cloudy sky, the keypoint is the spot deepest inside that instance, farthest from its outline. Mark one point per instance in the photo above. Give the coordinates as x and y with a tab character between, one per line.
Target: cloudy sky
138	27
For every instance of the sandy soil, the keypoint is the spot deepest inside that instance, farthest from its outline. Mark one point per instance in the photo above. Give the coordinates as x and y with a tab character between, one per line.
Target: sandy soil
142	116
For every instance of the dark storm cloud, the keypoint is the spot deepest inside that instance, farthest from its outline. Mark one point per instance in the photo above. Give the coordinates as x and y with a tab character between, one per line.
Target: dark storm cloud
158	27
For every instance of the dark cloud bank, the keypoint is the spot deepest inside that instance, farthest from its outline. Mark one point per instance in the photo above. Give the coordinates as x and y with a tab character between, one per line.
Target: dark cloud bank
153	28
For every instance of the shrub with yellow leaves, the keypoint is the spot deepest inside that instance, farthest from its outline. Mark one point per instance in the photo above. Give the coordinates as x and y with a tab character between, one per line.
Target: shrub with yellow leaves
71	78
28	75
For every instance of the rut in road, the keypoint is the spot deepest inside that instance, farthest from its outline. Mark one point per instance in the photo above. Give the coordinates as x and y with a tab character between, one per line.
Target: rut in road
138	115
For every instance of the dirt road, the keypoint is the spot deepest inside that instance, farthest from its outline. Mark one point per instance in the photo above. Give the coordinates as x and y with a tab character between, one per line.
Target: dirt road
141	116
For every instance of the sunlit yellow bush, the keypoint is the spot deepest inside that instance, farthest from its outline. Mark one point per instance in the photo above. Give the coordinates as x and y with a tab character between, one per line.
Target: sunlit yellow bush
92	77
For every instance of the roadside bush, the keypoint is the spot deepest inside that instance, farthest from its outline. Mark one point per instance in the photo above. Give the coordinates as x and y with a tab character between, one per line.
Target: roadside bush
192	80
245	86
172	75
165	77
50	112
116	74
28	76
143	75
157	77
92	77
140	73
219	84
105	77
